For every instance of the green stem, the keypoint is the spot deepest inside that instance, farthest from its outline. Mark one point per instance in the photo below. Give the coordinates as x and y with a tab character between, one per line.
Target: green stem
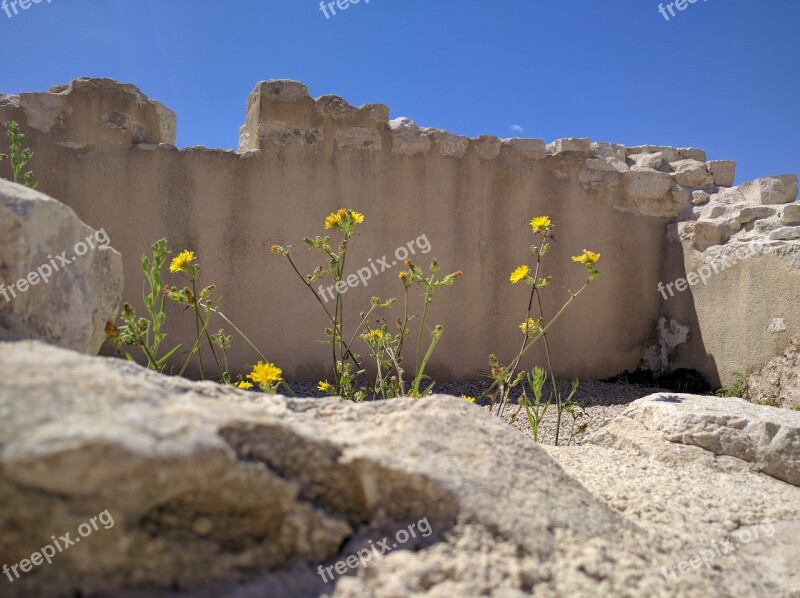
197	328
554	384
418	379
428	297
507	369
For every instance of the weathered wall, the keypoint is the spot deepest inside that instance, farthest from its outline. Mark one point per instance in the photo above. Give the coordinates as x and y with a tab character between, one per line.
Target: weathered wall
107	151
743	247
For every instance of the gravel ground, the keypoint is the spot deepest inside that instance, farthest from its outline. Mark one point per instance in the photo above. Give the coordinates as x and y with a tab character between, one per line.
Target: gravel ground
602	401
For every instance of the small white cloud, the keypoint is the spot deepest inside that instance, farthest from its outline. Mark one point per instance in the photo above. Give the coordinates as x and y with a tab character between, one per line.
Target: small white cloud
516	128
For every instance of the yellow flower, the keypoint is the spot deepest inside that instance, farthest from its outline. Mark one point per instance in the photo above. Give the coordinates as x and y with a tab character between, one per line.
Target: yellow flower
403	275
325	387
333	220
468	399
376	334
520	273
587	257
528	325
181	261
342	217
265	373
541	224
244	385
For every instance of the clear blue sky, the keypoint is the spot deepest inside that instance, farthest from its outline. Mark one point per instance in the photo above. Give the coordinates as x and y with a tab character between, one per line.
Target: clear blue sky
720	75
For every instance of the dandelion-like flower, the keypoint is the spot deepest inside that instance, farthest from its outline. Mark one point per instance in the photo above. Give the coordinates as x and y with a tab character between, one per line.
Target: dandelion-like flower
265	373
403	276
541	225
587	257
244	385
376	334
333	220
344	220
467	398
529	326
181	261
326	387
519	274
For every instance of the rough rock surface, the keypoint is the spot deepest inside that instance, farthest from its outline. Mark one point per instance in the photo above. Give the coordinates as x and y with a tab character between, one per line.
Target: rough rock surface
766	437
779	381
208	486
719	514
41	297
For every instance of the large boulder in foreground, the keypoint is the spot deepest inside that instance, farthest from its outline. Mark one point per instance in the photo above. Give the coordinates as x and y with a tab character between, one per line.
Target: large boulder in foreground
209	487
60	280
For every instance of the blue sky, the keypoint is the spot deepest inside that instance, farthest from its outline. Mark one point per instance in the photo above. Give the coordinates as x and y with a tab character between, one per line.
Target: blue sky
720	75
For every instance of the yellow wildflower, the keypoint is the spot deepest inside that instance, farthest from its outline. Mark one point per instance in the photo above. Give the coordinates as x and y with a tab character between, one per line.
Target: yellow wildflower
376	334
244	385
325	387
541	224
519	274
587	257
528	325
403	276
342	217
181	261
333	220
468	399
265	373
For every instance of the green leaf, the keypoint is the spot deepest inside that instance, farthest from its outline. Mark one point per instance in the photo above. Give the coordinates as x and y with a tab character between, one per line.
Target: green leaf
160	363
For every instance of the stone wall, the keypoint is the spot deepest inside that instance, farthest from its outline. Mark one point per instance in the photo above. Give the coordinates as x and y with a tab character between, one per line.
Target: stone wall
108	151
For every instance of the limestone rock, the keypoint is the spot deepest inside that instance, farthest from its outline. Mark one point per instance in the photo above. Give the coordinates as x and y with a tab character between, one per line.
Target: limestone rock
791	214
649	191
652	161
700	197
691	173
488	146
668	154
408	138
450	145
603	149
116	114
212	485
724	517
750	213
779	380
723	172
530	148
785	233
692	153
61	280
771	190
766	437
600	174
570	144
